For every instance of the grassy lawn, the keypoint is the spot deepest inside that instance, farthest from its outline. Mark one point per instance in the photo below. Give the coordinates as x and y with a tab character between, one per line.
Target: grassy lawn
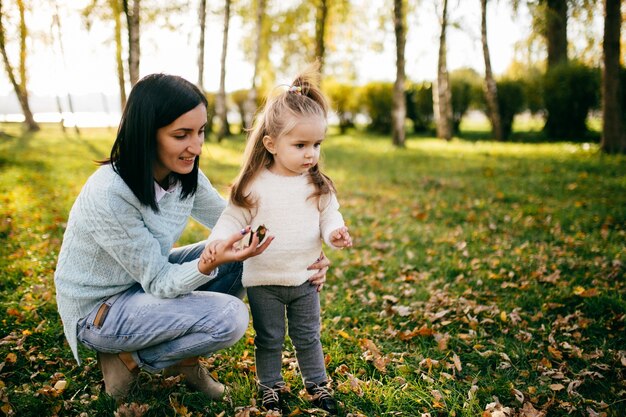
484	277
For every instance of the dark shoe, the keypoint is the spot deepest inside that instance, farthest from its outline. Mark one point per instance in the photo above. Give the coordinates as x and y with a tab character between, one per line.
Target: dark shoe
197	378
119	371
322	397
271	397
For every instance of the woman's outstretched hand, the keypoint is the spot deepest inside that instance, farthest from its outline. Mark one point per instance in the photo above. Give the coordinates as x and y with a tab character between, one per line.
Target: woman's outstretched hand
220	252
319	278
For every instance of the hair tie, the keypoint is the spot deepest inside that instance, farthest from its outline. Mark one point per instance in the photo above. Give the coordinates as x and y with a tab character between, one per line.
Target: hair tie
296	89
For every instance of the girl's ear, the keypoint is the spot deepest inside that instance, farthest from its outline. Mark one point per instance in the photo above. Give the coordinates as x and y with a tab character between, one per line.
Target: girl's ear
269	144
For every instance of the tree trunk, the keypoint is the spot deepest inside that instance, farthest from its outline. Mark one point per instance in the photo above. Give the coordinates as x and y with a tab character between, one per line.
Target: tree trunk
491	91
250	107
613	134
116	9
202	22
132	21
19	87
320	32
442	97
57	23
556	31
221	95
398	113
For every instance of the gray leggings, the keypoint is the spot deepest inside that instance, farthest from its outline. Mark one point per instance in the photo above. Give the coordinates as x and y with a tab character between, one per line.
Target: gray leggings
268	305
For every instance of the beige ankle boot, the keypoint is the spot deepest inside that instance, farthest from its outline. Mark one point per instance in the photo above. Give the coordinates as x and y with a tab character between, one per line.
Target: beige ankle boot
197	377
119	371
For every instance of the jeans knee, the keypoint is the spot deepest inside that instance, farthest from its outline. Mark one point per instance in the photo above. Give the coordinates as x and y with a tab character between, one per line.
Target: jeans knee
237	322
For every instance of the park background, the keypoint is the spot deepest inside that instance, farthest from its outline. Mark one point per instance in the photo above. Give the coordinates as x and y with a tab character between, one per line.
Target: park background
488	272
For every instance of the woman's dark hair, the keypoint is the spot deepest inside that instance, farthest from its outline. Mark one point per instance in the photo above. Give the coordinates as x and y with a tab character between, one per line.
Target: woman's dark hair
154	102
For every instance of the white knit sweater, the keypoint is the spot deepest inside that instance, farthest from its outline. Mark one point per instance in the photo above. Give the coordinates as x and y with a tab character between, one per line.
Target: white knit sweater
295	220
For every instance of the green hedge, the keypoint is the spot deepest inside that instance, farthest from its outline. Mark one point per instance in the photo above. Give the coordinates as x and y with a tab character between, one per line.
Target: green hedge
570	91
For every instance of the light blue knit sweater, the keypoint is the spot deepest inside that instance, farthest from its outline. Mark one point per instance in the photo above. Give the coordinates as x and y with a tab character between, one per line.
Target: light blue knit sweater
112	241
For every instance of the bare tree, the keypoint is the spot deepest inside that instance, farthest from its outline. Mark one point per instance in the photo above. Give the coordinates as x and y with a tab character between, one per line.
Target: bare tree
491	91
220	104
56	23
20	87
398	114
202	23
556	31
613	134
321	18
134	52
442	96
110	10
251	103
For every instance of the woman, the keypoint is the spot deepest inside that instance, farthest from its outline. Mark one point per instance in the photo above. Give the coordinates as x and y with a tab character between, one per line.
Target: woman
122	290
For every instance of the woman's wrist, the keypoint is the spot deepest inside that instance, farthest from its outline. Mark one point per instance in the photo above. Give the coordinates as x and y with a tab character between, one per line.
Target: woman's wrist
208	269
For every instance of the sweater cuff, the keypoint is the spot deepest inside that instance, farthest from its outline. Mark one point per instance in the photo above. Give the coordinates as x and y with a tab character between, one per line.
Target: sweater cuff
194	278
212	274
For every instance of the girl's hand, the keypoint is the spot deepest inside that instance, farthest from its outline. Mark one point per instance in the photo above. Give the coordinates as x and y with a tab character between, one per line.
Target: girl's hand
321	265
341	238
226	251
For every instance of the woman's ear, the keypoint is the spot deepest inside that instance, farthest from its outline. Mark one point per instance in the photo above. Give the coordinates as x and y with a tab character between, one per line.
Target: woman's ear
269	144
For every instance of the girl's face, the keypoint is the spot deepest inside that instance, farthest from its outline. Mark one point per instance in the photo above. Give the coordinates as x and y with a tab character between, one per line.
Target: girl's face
299	149
179	144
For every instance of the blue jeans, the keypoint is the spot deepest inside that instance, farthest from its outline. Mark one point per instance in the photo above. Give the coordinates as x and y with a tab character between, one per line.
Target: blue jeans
163	331
269	305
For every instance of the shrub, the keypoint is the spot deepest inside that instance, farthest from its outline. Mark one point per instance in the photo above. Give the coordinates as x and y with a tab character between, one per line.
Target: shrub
570	91
419	106
210	111
377	102
240	98
343	101
510	102
466	88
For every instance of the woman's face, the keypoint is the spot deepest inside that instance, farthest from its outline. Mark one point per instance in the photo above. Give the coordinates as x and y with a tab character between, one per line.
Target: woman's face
180	143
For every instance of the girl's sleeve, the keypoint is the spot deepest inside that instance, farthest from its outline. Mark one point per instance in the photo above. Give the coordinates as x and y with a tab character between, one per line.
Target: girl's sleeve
330	218
233	219
117	227
208	203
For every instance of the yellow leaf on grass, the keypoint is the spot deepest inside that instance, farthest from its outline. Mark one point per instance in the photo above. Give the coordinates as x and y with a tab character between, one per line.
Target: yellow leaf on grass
60	385
556	387
556	354
344	335
11	358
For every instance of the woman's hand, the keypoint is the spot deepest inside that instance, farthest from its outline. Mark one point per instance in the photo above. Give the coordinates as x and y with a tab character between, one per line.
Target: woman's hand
225	251
321	265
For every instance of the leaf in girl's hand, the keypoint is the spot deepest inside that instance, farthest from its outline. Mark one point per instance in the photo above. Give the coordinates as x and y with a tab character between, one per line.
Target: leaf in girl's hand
260	231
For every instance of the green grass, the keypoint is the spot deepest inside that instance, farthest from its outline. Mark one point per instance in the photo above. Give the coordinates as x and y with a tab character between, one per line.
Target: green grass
479	270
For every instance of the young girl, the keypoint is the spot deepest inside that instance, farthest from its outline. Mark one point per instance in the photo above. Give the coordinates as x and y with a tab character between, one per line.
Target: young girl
281	187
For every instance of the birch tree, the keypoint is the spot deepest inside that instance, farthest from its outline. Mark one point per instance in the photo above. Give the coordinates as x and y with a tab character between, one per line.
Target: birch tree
19	81
259	42
613	134
202	24
321	19
132	12
111	10
116	10
491	91
442	96
221	108
56	23
398	113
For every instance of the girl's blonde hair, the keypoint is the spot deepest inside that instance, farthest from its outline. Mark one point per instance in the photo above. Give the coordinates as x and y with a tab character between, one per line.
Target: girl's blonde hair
304	98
